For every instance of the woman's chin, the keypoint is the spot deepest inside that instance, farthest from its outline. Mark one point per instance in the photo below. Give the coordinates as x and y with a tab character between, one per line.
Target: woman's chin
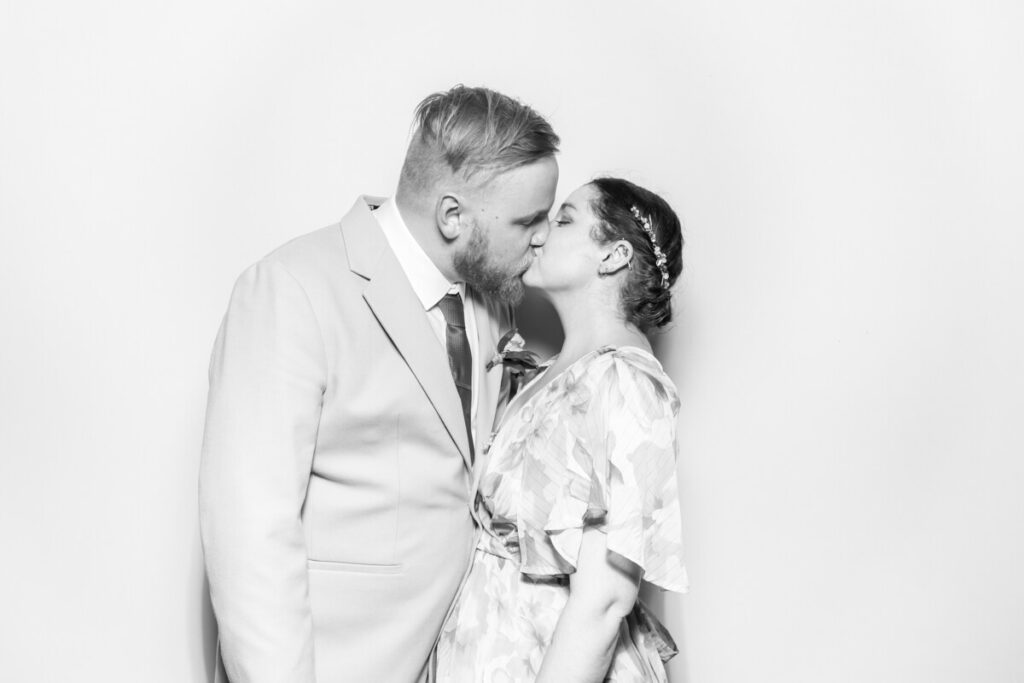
530	278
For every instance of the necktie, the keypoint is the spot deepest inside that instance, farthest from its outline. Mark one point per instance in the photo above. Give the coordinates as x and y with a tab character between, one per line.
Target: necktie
460	360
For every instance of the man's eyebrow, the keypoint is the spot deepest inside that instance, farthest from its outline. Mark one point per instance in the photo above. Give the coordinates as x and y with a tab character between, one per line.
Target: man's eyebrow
532	218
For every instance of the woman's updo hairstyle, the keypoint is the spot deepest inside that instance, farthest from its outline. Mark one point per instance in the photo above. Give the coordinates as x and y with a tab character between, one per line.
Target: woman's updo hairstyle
625	211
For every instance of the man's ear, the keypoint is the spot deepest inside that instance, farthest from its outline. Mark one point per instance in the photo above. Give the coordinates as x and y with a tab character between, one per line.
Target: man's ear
619	255
449	216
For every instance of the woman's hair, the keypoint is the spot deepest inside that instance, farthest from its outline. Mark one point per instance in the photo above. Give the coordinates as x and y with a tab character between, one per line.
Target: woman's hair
626	211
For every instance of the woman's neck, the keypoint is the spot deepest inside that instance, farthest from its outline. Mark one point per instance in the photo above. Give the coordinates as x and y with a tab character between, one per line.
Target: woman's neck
590	322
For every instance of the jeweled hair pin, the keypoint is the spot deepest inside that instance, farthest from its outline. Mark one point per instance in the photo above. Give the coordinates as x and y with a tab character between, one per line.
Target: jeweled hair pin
659	256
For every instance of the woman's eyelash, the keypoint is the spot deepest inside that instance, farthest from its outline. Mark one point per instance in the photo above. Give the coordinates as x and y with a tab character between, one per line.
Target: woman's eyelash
559	221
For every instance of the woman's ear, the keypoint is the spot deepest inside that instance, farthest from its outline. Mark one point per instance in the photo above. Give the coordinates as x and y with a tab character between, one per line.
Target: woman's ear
449	216
618	256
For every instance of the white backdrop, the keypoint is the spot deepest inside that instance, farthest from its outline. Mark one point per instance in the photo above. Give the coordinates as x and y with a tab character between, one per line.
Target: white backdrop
848	343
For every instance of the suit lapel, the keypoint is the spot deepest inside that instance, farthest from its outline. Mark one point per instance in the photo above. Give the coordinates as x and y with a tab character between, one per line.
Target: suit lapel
493	319
489	318
396	307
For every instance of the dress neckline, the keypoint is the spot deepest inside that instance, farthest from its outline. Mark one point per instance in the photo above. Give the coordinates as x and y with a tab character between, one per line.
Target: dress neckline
519	407
607	348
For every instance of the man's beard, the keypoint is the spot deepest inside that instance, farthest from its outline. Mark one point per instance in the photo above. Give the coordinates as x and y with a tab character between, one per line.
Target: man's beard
474	266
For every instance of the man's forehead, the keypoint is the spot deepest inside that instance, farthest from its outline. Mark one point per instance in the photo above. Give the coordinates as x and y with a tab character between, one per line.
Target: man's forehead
537	176
520	195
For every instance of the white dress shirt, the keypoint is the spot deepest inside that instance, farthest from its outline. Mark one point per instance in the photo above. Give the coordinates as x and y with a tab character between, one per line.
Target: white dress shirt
430	286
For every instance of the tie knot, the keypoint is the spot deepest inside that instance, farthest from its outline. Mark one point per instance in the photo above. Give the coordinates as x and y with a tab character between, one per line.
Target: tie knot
451	309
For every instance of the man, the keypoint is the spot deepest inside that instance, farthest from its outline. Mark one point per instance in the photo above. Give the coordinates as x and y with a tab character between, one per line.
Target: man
349	399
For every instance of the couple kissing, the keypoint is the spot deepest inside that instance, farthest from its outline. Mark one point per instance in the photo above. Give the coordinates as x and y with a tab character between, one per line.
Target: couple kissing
364	515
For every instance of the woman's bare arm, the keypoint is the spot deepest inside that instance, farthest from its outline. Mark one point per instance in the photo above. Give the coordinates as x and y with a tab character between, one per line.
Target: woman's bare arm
602	591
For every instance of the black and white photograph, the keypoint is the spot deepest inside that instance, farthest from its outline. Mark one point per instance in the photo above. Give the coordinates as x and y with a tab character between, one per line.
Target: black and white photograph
535	342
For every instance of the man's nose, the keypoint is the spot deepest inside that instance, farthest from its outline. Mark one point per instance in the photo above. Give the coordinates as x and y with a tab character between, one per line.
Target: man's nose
540	235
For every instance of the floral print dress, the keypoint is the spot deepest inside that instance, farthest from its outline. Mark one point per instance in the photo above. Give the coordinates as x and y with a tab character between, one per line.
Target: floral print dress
594	447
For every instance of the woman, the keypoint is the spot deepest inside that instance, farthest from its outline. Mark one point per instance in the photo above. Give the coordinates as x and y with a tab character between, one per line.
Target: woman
578	491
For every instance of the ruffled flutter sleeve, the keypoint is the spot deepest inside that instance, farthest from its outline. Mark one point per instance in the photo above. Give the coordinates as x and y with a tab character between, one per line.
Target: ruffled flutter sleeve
609	464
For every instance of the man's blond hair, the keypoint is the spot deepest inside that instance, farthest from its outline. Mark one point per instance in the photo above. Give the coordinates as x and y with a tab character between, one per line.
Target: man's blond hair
473	131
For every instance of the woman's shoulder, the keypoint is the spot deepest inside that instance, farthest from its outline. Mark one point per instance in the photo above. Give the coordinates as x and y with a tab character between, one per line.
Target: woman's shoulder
628	367
608	462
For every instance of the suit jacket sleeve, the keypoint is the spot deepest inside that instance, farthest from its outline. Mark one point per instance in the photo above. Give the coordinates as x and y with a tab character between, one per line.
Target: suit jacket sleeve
267	378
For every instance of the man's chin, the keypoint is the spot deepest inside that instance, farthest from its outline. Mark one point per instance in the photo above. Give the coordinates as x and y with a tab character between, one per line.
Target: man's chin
506	287
512	292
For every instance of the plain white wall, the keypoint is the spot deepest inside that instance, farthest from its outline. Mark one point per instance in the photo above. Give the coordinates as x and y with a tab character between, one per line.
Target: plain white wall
849	335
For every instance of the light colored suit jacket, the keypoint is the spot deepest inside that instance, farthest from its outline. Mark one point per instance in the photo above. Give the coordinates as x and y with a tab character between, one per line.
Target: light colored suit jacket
335	481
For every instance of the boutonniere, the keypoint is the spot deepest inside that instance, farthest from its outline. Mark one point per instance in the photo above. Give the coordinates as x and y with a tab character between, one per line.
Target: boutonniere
512	354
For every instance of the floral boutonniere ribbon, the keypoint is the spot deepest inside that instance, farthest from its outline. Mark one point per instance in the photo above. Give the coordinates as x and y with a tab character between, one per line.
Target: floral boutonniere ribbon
517	361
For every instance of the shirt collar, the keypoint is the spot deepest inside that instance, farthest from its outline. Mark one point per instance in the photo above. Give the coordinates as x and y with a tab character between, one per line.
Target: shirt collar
428	283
